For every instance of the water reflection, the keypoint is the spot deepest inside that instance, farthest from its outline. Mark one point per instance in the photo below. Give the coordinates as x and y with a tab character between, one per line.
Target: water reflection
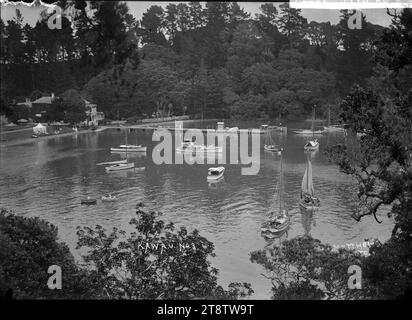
307	220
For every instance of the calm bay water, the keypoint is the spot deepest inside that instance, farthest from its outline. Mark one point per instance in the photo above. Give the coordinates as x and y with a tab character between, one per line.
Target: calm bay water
47	178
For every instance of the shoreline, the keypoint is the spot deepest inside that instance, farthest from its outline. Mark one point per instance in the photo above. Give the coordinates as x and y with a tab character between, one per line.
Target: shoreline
148	126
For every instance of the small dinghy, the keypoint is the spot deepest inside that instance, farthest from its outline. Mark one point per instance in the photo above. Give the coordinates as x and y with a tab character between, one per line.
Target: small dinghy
109	198
88	201
215	173
34	136
276	224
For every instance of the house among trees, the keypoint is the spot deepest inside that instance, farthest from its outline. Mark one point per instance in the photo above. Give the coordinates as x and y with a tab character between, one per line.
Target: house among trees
50	107
42	105
93	116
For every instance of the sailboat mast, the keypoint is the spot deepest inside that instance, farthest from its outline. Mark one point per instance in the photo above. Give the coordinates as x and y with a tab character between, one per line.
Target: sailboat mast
313	120
281	181
126	143
307	168
328	115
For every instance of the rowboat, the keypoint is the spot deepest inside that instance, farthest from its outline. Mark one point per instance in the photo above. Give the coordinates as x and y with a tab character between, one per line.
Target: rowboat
215	173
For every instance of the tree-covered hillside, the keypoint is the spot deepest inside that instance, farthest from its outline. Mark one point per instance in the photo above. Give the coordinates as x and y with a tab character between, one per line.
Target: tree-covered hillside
215	60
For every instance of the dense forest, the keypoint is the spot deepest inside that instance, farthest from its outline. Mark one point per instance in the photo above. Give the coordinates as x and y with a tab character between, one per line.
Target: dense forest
214	60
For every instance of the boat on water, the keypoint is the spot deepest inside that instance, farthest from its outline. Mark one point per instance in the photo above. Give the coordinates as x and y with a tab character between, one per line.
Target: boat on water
311	145
279	127
278	222
109	198
215	173
189	146
308	132
34	136
270	144
88	201
209	148
120	167
271	147
111	162
186	146
129	148
333	128
312	130
308	200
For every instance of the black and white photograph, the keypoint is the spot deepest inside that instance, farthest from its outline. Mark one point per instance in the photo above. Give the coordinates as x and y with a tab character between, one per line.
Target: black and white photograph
205	151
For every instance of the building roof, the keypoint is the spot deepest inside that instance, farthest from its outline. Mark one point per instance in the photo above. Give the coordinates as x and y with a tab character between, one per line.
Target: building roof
44	100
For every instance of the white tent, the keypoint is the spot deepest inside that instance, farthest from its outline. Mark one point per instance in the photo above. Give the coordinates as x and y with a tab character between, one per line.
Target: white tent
40	129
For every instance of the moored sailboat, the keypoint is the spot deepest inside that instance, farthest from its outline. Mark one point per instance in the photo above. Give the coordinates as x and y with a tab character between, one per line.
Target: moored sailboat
333	128
277	223
121	165
312	144
308	200
129	147
269	143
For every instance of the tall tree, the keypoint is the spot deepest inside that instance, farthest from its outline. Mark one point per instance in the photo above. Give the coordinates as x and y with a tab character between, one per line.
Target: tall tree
292	24
152	25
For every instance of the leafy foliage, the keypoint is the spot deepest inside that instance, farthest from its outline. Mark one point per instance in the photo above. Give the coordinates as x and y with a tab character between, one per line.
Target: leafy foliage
28	247
154	262
304	268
